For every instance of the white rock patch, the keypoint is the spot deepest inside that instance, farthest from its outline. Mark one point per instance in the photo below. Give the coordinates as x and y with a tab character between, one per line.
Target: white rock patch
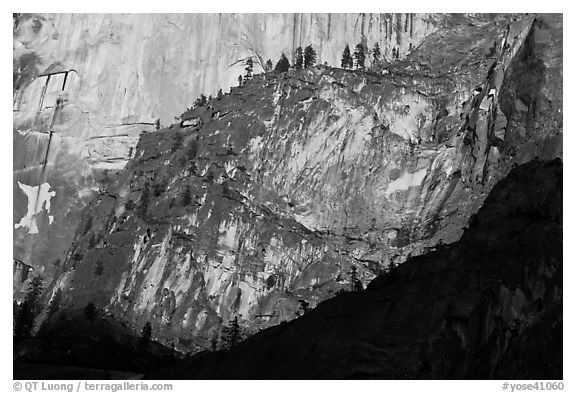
38	198
406	181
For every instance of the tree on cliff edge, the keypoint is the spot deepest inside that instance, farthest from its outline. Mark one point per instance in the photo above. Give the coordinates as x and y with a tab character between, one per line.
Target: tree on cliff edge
310	57
201	101
376	54
346	58
359	56
249	68
231	334
283	64
355	283
298	58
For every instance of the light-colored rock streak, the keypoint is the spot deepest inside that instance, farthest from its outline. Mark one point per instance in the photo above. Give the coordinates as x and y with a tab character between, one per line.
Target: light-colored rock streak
38	198
406	181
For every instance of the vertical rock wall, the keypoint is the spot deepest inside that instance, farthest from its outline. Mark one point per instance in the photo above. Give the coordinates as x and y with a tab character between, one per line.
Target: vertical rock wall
294	178
86	85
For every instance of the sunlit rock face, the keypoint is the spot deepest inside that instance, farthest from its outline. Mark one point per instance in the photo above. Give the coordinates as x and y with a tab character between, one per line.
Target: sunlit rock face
86	85
486	307
270	194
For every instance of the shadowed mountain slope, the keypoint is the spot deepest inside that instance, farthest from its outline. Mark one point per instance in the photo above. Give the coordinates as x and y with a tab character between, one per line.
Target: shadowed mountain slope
488	306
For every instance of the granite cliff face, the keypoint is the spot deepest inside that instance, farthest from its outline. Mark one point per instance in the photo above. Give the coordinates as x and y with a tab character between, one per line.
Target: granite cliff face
488	306
269	195
86	85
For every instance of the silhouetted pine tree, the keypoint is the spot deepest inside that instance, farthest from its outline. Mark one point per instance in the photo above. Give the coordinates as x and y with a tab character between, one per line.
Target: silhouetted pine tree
249	68
298	58
90	311
200	101
304	308
214	341
346	58
359	56
28	310
146	335
376	54
231	334
309	56
283	64
355	283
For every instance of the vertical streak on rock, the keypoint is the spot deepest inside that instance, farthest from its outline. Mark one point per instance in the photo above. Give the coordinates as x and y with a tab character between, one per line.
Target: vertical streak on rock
385	28
398	29
406	23
294	39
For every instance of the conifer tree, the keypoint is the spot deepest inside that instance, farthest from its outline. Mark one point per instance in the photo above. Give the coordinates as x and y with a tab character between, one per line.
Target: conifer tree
90	311
376	54
309	56
304	308
214	341
346	58
298	58
283	64
249	68
269	65
231	334
28	310
359	56
200	101
355	283
146	335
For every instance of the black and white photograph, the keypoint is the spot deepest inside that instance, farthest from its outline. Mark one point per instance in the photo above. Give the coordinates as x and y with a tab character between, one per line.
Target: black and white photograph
287	196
